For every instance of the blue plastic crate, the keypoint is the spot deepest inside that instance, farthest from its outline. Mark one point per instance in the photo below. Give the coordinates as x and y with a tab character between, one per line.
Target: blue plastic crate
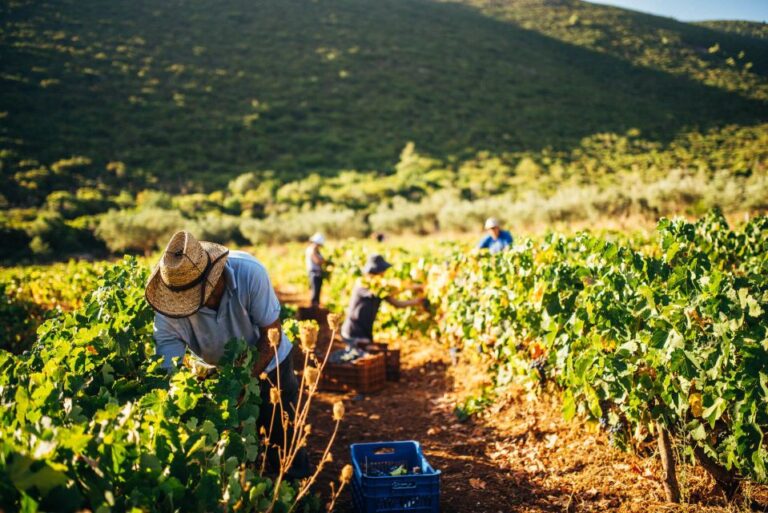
413	493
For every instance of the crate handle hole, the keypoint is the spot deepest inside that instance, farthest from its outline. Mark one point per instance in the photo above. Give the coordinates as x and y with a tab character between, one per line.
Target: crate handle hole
384	450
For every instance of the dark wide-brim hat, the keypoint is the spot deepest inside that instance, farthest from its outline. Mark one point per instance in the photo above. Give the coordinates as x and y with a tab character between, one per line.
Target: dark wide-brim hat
186	275
376	265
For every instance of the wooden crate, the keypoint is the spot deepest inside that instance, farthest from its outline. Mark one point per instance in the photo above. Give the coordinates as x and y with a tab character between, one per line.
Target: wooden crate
365	375
391	358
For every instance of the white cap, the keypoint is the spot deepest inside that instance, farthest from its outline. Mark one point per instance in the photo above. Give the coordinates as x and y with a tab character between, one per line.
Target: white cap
491	222
317	239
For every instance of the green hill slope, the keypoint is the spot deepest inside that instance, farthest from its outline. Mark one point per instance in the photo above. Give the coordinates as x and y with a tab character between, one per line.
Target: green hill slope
744	28
196	92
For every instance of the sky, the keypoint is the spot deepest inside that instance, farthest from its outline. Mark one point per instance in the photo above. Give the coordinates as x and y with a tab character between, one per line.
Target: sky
698	10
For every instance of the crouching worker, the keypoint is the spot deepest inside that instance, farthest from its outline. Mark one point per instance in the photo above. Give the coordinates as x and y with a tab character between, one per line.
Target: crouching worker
205	295
367	295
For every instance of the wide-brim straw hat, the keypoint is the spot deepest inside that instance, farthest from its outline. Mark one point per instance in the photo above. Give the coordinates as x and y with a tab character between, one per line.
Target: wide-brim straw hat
186	275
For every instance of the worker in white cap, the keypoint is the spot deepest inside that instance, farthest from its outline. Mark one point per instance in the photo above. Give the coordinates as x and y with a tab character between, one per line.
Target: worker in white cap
497	239
315	261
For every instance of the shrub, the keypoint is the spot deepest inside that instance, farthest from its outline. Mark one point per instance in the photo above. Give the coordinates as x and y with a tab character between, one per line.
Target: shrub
15	244
51	235
154	199
139	230
301	225
420	218
217	228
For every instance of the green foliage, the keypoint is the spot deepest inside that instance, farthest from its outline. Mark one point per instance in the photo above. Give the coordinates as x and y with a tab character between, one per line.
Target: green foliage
92	421
633	331
744	28
301	225
28	295
141	230
722	60
15	245
86	201
52	236
675	334
606	176
20	320
216	228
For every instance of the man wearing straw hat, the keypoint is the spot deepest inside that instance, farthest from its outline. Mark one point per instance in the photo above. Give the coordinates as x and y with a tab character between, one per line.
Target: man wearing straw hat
204	296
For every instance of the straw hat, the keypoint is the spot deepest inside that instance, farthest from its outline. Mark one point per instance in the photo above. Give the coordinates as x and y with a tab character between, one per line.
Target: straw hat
185	276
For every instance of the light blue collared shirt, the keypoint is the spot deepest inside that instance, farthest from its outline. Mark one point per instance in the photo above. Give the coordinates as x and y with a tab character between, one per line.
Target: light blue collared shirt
248	303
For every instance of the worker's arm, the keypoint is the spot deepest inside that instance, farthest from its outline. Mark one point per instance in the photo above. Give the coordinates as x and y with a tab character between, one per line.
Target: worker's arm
264	310
266	352
403	303
169	342
317	258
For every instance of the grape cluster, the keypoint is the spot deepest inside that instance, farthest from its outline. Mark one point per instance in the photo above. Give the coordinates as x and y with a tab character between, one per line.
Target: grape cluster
347	355
605	408
540	366
618	435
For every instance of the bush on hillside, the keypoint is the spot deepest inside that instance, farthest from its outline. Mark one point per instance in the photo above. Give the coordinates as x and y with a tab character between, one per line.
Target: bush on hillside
86	201
138	231
337	224
216	228
402	216
52	236
154	199
15	244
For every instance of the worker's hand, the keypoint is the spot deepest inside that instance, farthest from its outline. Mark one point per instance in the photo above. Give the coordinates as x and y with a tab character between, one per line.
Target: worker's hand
426	305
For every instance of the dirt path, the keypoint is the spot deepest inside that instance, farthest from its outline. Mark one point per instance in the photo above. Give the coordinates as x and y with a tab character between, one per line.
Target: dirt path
519	458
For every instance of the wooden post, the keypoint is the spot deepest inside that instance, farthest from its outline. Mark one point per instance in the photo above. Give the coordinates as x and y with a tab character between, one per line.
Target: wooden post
671	487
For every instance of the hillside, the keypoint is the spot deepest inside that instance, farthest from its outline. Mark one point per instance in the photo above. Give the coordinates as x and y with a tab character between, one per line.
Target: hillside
197	92
745	28
725	61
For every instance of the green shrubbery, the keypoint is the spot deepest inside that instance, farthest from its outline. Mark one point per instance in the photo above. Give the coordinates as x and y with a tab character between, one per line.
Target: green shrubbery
140	230
607	176
332	222
92	420
667	338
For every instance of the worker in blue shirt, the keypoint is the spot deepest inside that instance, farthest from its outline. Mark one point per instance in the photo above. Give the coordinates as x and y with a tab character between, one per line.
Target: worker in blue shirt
497	239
